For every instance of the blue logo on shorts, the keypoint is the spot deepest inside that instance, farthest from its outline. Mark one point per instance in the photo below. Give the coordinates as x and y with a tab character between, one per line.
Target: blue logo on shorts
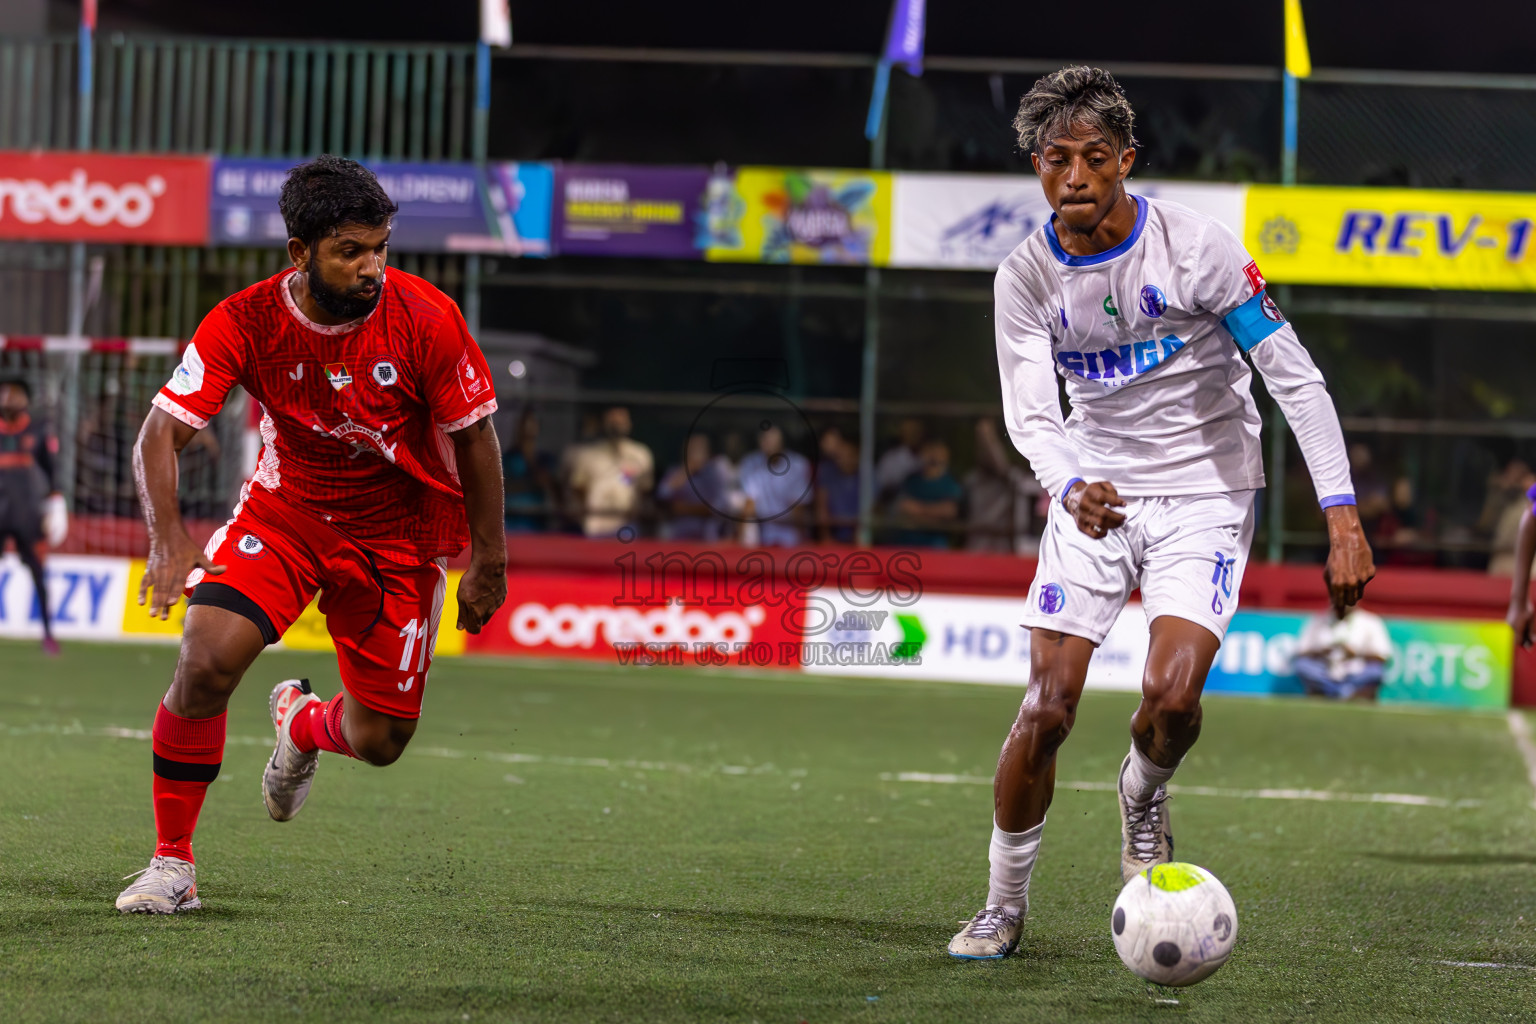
1152	302
1052	598
1221	580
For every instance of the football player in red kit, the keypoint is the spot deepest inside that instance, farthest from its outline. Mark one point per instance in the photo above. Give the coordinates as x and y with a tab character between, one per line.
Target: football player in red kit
378	462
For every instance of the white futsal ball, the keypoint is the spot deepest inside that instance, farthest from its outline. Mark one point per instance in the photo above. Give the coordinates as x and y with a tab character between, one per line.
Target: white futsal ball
1174	924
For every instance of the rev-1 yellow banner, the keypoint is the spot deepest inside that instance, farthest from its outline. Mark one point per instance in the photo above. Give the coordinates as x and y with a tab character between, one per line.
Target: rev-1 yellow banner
1403	238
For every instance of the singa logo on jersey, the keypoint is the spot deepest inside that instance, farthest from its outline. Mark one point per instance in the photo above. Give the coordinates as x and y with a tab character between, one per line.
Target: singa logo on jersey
384	374
337	374
249	546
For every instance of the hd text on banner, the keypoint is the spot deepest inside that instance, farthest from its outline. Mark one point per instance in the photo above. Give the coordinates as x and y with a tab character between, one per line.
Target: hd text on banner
444	207
1404	238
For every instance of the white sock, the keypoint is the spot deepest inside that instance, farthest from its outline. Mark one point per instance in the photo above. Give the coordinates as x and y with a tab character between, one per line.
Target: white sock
1142	778
1013	860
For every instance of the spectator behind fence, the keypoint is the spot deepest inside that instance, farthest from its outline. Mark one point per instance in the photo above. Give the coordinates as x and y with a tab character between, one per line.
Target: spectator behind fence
1504	506
837	488
1371	494
900	462
530	479
999	497
1343	658
777	483
693	493
611	477
1520	608
930	500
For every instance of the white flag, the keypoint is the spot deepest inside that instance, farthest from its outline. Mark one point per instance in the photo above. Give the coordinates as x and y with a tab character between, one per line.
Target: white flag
495	23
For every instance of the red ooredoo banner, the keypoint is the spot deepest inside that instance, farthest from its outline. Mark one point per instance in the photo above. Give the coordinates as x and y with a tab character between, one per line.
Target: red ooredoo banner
95	197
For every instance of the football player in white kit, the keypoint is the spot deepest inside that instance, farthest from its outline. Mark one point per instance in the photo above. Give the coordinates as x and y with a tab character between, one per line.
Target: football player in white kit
1145	309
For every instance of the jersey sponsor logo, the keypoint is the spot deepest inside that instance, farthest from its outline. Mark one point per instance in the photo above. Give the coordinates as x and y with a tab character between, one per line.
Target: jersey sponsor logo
1109	305
187	378
471	381
1271	311
384	373
1255	278
249	546
1052	598
337	374
362	438
1117	367
1153	304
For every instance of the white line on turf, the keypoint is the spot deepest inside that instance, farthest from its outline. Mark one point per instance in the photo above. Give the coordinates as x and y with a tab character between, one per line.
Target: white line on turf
1520	729
1477	963
1323	795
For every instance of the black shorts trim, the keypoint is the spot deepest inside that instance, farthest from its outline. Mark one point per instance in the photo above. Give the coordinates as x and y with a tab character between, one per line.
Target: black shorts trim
185	771
222	595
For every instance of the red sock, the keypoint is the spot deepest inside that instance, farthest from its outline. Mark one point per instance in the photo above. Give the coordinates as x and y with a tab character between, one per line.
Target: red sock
187	756
317	726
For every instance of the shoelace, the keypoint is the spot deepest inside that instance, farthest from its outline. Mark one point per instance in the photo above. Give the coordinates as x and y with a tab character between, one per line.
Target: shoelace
1146	828
987	924
154	862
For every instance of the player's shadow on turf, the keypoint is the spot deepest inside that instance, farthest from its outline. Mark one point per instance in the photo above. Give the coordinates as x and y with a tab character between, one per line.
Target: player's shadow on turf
1463	859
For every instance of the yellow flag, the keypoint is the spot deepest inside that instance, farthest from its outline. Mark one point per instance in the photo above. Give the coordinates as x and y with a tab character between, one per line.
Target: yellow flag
1297	60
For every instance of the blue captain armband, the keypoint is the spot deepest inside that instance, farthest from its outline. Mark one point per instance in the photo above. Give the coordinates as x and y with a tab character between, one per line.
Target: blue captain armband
1253	321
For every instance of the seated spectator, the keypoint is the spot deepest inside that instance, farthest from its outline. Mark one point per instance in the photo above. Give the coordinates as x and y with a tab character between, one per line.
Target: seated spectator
777	483
929	500
693	493
530	479
611	477
1343	658
837	488
900	462
1000	497
1506	503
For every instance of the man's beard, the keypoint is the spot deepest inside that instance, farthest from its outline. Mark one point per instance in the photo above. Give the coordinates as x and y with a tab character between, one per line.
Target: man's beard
344	305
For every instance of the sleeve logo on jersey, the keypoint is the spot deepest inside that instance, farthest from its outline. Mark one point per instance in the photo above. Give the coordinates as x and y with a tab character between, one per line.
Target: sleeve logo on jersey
337	374
471	381
249	546
187	378
384	373
1153	303
1255	278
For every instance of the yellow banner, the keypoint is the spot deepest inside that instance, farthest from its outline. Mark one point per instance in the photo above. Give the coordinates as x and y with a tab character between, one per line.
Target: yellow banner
782	215
308	632
1403	238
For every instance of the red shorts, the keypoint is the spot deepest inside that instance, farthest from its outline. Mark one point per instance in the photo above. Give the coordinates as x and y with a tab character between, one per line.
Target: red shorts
383	617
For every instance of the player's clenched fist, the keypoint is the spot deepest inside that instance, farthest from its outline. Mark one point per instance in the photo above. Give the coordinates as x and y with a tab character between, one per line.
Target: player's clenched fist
1093	507
482	590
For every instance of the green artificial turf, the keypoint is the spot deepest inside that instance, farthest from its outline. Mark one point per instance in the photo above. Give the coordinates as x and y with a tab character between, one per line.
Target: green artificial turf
591	843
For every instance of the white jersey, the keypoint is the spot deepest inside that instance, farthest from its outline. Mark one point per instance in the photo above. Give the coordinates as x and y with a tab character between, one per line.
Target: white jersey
1149	337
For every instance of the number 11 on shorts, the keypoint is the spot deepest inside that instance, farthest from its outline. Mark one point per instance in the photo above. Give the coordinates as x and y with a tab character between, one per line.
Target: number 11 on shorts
415	632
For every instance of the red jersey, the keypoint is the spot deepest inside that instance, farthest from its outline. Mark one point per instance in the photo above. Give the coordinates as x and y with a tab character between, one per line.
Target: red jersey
355	418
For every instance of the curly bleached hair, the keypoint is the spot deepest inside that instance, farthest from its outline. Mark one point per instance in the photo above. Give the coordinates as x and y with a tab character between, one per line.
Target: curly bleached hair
1070	97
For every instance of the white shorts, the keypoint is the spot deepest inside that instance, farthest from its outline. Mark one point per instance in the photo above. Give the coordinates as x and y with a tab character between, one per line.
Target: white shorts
1187	554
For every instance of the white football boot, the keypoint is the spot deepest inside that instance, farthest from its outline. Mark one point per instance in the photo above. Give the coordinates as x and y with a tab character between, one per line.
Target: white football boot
167	886
1145	838
290	771
991	935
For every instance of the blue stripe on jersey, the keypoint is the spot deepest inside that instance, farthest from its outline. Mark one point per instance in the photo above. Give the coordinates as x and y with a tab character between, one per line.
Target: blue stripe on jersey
1249	324
1100	257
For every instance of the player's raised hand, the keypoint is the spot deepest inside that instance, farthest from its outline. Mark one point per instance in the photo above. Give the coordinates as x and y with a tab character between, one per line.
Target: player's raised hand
1093	507
165	573
482	590
1350	565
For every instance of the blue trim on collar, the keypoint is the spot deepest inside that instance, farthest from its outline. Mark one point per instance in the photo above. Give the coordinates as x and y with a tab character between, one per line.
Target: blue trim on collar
1102	257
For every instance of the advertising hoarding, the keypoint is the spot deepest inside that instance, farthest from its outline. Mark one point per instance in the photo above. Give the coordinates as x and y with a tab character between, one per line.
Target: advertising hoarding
622	210
95	197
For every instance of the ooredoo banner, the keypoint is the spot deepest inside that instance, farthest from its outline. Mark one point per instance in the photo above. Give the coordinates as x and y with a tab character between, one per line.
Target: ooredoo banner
619	210
973	221
92	197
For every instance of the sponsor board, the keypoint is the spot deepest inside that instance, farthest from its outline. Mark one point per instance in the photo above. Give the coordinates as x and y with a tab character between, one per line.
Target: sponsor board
1454	662
1405	238
85	597
619	210
92	197
973	221
954	637
444	207
791	215
589	617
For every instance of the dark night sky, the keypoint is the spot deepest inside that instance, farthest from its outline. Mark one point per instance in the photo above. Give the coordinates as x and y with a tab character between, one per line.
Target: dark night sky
1415	34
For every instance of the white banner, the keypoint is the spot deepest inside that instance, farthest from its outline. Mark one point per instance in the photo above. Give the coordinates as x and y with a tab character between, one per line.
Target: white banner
85	596
972	221
955	638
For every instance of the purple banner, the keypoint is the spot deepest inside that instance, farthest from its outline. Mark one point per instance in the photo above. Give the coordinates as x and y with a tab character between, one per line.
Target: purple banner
618	210
905	43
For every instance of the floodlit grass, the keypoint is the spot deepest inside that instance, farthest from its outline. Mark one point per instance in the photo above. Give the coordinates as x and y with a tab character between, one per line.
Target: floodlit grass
601	844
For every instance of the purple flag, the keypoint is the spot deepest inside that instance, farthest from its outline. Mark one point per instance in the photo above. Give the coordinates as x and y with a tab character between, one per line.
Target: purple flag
905	43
